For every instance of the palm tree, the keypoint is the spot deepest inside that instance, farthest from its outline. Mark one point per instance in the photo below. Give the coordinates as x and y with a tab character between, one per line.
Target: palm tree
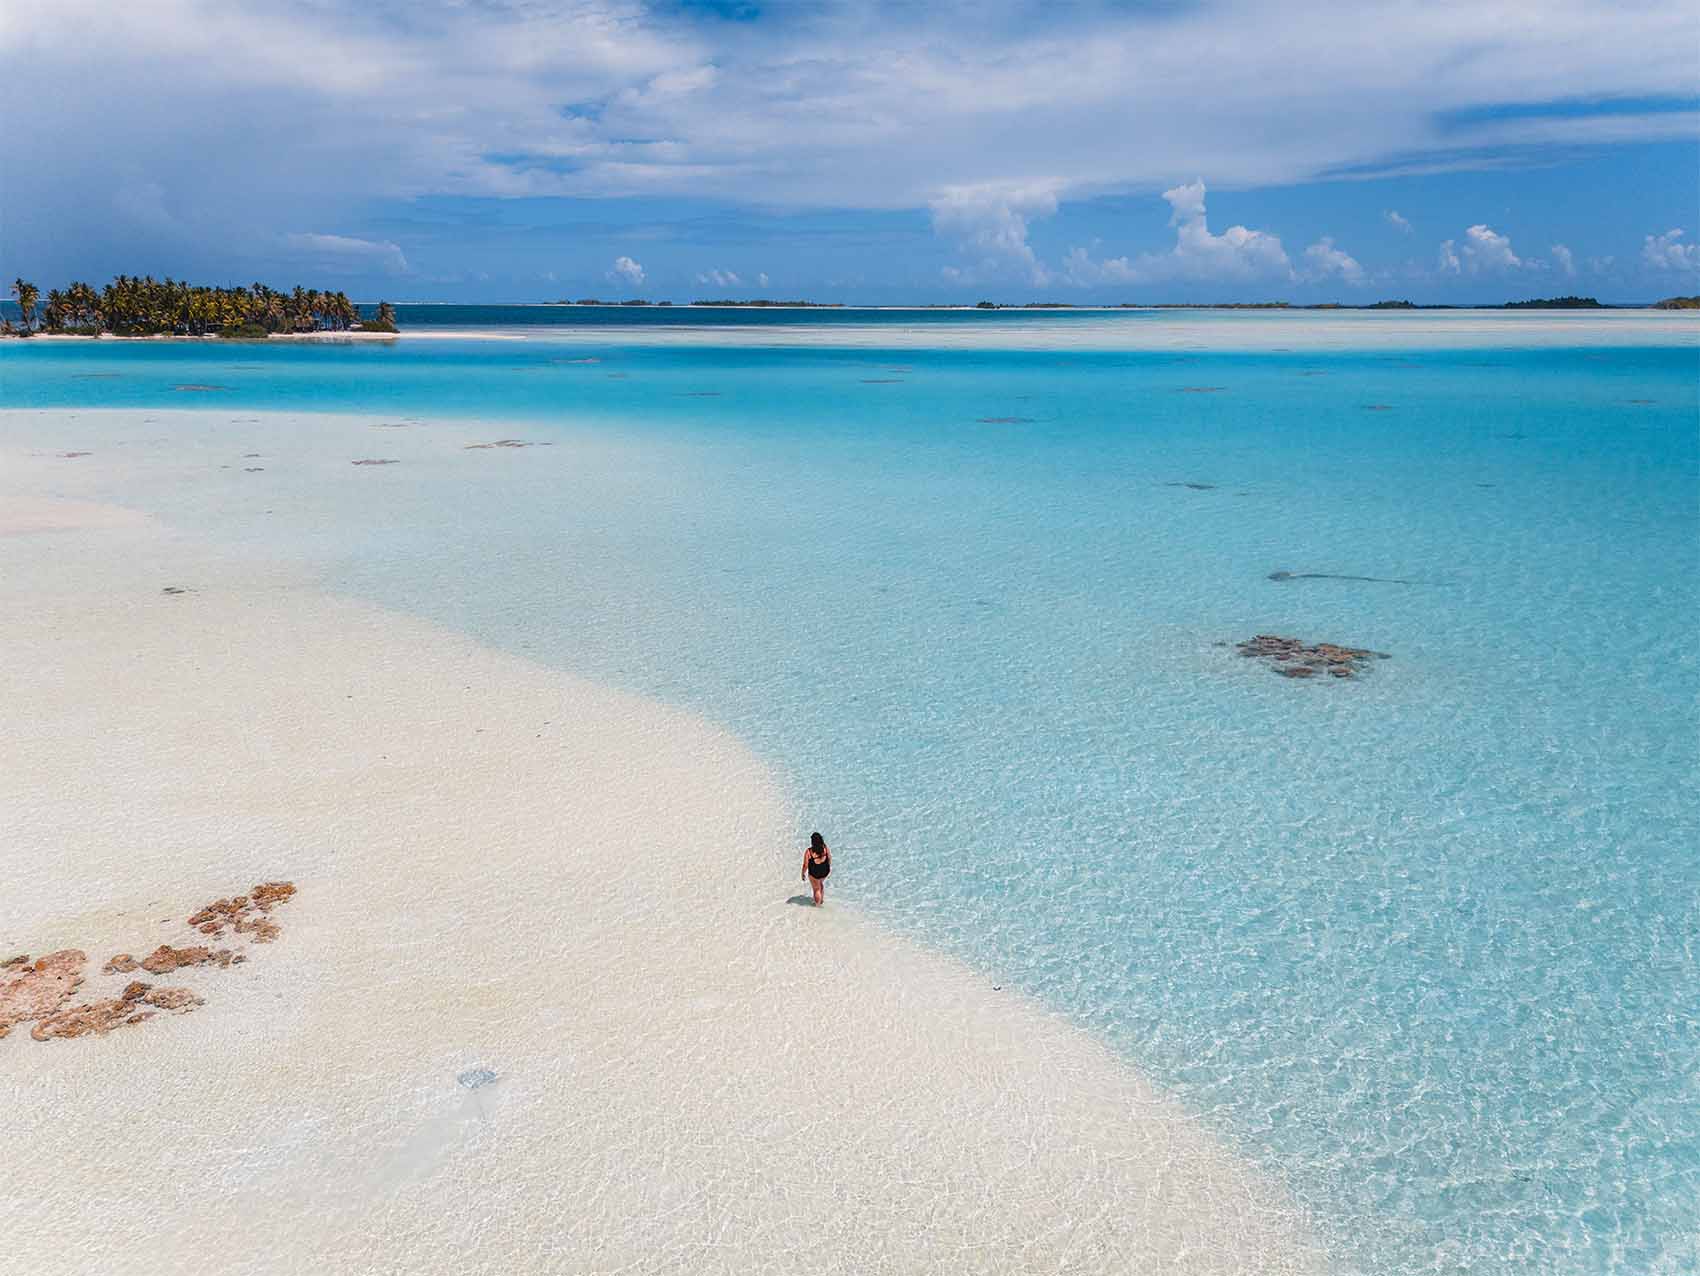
28	295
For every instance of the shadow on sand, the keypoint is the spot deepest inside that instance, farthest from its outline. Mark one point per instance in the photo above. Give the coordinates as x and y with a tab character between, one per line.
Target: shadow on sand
807	901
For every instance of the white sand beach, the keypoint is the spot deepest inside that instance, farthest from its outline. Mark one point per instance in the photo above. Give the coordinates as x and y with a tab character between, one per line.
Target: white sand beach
499	867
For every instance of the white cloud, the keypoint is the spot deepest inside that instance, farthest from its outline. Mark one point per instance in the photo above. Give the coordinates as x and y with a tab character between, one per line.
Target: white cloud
1566	260
1238	253
1324	260
991	220
1397	222
1667	252
1484	250
628	270
346	252
762	279
719	278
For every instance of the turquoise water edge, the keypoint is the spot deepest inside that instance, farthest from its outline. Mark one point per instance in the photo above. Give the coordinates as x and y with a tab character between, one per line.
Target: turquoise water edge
1422	943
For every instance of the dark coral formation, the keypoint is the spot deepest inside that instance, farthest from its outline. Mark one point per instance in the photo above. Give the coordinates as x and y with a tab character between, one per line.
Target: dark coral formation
1291	658
476	447
375	461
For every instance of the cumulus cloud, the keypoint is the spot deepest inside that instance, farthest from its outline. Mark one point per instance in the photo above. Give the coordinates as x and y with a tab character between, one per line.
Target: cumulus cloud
719	278
1667	252
990	221
345	252
1397	222
1236	253
627	270
762	279
1566	260
1484	251
1199	254
1323	260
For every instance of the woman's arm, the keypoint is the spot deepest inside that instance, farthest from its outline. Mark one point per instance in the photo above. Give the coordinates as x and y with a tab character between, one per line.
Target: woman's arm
805	873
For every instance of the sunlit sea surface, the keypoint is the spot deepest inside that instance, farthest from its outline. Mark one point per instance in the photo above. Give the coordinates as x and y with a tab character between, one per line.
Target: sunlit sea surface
1423	943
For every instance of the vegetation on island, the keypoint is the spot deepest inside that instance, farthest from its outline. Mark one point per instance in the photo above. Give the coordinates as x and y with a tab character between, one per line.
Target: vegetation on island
1678	303
1555	303
756	303
146	307
595	301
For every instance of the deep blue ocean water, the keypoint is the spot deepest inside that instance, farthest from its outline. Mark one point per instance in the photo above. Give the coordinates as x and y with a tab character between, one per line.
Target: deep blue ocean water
1423	943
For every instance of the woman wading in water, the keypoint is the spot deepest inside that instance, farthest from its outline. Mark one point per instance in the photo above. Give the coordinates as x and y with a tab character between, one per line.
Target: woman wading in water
817	863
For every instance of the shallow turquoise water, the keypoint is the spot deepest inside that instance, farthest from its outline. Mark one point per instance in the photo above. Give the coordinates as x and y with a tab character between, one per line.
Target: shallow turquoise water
1423	943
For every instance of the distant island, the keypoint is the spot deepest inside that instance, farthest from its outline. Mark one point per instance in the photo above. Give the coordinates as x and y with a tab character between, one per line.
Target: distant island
146	307
758	302
1556	303
1539	303
752	303
1678	303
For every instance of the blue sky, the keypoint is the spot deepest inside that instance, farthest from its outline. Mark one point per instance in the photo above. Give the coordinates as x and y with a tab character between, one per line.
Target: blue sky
854	150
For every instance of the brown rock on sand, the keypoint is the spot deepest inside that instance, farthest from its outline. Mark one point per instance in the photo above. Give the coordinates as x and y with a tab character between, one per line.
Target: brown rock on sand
259	929
267	894
180	1000
122	964
42	988
98	1017
101	1017
165	959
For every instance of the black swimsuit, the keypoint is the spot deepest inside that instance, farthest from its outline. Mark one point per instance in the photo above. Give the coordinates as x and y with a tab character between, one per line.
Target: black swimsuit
819	868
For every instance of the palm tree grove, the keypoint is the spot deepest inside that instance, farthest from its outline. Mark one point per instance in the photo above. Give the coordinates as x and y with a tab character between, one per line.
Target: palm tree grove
132	307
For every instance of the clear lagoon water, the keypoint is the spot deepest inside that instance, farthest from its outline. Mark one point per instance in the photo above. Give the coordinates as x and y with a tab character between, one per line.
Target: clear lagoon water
1424	943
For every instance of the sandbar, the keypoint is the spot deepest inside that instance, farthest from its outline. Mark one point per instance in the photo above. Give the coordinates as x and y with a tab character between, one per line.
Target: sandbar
543	1001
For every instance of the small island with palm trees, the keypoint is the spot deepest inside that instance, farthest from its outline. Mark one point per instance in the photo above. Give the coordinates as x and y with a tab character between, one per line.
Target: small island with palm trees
149	307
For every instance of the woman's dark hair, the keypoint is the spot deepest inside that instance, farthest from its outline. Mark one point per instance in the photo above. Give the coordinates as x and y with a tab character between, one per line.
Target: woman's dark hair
816	842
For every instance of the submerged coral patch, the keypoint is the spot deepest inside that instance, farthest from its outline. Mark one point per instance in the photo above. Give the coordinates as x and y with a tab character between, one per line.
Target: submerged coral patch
375	461
1292	658
475	447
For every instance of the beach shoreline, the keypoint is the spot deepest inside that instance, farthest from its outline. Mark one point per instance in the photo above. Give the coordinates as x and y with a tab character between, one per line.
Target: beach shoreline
505	870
